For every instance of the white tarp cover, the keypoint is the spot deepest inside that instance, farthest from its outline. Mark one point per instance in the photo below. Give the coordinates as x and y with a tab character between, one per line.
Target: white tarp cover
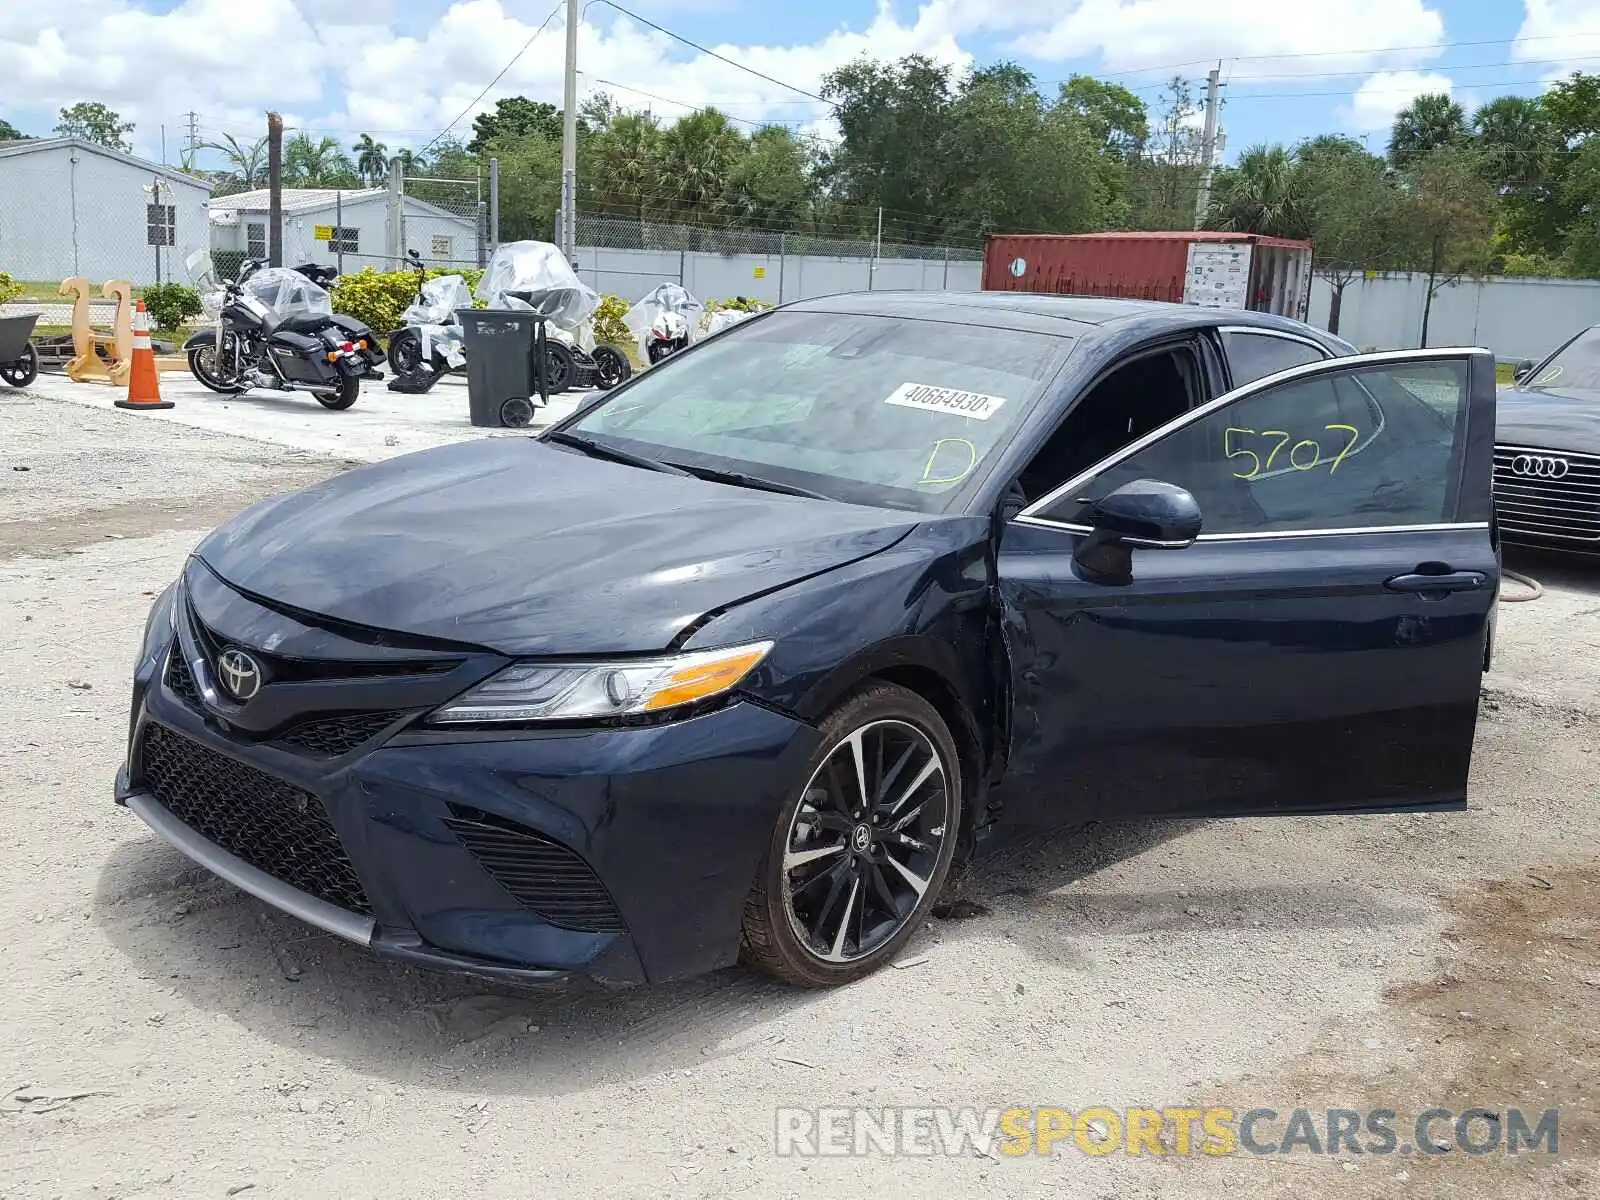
546	281
285	292
434	318
717	321
661	299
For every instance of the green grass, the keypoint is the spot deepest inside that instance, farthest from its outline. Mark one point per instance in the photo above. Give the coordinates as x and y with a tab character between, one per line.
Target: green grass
1503	372
46	292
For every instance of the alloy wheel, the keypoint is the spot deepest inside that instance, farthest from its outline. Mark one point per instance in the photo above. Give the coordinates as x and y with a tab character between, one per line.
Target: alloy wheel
865	840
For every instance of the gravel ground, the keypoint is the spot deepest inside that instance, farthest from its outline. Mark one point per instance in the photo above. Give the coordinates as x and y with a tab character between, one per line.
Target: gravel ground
166	1036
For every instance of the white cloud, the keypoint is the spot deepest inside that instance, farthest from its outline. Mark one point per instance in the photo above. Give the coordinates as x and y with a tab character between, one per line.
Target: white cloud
1373	107
1253	38
1561	34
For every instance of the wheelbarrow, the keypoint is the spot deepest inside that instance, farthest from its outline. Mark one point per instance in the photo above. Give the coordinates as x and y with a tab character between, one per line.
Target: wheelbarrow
19	361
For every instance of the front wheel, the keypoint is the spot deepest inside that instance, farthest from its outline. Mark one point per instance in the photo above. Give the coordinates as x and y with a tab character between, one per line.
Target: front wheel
20	372
206	366
562	368
405	353
862	849
611	366
349	390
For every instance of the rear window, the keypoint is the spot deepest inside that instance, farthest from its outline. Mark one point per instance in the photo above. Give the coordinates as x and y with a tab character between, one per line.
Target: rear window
1253	356
866	409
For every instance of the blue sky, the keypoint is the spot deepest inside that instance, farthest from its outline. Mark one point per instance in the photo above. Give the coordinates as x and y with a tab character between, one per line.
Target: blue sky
405	69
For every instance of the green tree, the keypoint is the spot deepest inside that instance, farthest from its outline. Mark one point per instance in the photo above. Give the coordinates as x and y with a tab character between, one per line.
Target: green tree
248	161
320	163
10	133
1116	119
698	155
1164	184
530	186
1428	123
412	162
597	112
515	117
1349	203
1262	193
626	160
372	158
1446	218
770	185
94	122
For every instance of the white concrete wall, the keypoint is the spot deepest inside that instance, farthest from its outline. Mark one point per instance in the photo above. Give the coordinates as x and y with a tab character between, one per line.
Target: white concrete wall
370	218
632	273
68	211
1516	318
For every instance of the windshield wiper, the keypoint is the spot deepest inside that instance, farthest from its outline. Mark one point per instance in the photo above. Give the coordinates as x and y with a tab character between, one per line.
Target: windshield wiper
740	479
601	450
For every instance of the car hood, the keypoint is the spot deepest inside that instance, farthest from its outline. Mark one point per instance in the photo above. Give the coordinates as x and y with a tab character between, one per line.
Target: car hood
1551	420
516	546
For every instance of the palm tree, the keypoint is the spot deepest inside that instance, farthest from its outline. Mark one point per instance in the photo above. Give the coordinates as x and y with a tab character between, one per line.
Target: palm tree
409	160
316	164
1261	194
1517	140
1427	124
371	158
698	154
249	162
627	158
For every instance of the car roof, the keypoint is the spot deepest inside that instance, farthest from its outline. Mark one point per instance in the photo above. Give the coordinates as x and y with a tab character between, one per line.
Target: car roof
1065	316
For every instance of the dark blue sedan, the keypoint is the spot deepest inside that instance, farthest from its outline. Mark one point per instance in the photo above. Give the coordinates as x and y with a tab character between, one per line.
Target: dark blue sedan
736	662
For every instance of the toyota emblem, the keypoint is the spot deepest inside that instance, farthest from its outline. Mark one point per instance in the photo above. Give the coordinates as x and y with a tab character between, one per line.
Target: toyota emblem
1539	466
239	674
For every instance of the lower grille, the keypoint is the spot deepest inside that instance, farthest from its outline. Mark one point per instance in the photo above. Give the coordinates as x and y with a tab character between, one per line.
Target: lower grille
271	825
540	873
1567	508
329	737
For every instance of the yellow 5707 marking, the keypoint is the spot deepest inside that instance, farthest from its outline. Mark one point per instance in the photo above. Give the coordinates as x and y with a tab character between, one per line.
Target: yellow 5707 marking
1305	455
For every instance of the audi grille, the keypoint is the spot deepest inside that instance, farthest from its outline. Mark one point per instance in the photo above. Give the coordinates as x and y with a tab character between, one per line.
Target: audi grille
1548	496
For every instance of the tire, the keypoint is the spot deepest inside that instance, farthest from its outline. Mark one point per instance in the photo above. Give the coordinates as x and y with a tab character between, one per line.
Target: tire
405	353
20	372
788	932
217	383
611	366
563	368
349	392
516	413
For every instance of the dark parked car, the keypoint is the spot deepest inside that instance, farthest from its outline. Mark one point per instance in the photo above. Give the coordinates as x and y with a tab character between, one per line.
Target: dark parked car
735	662
1547	450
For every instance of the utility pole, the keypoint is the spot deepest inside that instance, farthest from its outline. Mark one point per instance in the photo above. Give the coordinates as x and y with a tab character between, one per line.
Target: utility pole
1208	146
194	135
877	252
569	142
274	190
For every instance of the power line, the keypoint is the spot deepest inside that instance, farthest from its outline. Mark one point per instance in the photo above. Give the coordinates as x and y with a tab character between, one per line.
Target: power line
514	58
703	50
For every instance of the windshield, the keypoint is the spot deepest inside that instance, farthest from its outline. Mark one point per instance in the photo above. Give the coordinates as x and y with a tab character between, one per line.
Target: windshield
1576	365
870	410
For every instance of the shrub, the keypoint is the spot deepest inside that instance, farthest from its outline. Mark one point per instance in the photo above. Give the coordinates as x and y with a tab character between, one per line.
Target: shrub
171	304
608	326
10	289
740	303
378	298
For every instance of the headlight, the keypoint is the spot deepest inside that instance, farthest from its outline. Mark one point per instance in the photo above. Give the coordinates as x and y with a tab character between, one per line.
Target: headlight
580	691
160	625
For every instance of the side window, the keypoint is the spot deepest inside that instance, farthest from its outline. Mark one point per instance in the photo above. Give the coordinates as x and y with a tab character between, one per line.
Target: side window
1351	448
1253	356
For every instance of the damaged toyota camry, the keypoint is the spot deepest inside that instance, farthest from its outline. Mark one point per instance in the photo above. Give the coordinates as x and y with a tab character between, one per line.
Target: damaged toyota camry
736	662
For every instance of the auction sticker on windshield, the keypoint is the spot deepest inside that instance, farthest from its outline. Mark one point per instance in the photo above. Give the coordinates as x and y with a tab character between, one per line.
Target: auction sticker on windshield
946	400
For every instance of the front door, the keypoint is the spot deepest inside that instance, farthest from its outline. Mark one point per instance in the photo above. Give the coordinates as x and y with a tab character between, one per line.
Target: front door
1318	648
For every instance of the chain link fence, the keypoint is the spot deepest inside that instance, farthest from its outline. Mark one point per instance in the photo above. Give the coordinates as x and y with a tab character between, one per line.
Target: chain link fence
447	221
633	233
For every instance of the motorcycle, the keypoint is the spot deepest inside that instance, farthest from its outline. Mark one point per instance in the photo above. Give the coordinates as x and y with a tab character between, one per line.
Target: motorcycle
272	330
520	275
357	332
664	321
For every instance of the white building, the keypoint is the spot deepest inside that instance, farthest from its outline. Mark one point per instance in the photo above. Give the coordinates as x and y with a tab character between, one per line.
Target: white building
70	207
349	229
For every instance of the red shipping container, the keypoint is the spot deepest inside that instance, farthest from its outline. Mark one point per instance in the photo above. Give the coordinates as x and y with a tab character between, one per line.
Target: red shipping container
1144	266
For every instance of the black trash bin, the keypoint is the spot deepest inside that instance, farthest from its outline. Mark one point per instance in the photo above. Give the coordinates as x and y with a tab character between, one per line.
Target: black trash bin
502	380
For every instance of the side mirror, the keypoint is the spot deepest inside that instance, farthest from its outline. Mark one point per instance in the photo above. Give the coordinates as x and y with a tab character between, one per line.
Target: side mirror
1522	370
1144	514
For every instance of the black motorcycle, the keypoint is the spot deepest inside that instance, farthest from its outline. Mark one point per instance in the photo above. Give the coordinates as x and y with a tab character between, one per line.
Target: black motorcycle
358	333
252	346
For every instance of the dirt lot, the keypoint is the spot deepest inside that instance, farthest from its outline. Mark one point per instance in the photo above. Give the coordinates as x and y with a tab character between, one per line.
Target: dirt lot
166	1036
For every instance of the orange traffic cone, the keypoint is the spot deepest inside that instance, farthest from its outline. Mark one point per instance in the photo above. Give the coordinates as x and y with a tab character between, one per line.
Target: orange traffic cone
144	384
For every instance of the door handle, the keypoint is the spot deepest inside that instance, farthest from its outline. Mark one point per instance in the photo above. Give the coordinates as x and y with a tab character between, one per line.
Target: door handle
1453	581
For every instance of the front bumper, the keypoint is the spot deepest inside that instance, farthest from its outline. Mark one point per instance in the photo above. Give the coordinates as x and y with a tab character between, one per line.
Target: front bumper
672	820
